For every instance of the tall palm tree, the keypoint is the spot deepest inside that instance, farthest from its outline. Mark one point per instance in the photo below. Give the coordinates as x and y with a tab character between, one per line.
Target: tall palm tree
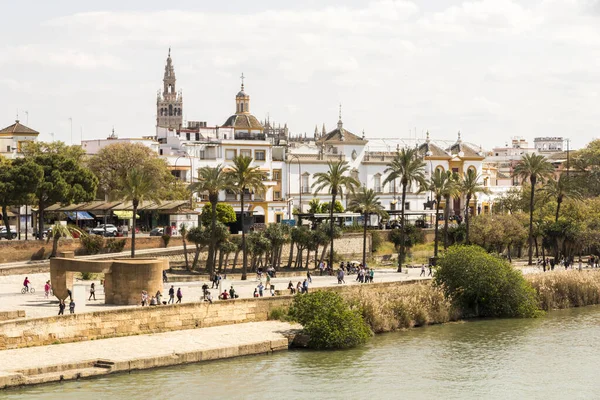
244	177
138	186
451	192
470	187
535	168
335	180
560	189
212	180
366	202
409	167
438	186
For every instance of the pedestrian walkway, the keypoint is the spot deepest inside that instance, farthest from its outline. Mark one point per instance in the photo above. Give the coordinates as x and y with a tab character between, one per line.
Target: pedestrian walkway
97	357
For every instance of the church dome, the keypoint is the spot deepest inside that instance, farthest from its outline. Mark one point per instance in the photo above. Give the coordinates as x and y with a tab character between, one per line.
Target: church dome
243	121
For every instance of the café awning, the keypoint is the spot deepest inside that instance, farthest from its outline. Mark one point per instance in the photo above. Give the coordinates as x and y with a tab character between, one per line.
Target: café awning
80	215
125	215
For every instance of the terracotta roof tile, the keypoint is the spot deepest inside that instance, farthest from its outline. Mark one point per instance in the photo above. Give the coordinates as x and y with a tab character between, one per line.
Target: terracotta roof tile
243	121
17	128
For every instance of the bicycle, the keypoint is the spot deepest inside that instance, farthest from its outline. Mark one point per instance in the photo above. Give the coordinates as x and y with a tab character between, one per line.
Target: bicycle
31	290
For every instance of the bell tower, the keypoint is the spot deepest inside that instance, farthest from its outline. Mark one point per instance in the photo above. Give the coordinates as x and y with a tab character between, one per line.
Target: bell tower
242	100
169	103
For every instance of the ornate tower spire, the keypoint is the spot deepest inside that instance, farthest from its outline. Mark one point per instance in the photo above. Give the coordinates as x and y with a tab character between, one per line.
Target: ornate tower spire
459	139
242	100
427	138
169	106
323	131
340	123
316	132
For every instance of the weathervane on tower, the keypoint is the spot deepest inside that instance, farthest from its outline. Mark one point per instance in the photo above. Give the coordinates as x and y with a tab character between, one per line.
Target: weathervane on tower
242	78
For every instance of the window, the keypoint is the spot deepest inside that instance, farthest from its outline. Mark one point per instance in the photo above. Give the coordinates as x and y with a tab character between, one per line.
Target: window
377	183
276	175
230	154
305	188
393	186
8	149
277	195
407	205
278	218
259	155
246	153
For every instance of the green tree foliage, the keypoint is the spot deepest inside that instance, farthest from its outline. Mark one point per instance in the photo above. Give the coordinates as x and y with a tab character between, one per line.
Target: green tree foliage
19	180
335	180
113	162
200	237
314	206
560	189
225	214
495	233
245	178
212	181
366	202
60	231
483	285
329	321
92	244
339	208
278	235
470	187
409	167
411	236
585	166
183	231
535	168
438	185
65	179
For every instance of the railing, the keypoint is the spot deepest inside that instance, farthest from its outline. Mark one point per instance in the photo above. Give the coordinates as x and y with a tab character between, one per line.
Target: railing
378	156
249	136
378	189
318	157
231	197
305	189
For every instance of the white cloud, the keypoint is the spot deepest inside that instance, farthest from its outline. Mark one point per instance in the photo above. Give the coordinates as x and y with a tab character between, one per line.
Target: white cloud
499	64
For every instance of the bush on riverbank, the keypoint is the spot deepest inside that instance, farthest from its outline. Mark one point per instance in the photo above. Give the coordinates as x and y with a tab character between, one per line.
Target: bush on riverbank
565	289
483	285
329	321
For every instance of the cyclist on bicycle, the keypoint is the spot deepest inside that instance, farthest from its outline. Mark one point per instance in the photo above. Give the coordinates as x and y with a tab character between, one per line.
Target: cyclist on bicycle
26	283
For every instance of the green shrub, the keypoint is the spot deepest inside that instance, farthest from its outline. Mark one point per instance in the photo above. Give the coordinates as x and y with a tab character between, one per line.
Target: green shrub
279	313
115	246
483	285
329	321
87	276
166	239
376	241
92	244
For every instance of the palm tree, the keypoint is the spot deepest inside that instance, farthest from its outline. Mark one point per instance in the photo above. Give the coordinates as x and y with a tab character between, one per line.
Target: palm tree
451	192
244	177
212	181
314	206
138	186
366	202
533	167
560	189
410	169
183	231
438	186
335	180
58	231
470	187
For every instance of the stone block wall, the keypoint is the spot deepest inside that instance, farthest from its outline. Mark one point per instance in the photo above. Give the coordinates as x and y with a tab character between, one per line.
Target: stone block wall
134	321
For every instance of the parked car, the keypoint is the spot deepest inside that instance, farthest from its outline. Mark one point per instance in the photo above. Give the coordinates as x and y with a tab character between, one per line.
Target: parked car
45	233
110	231
157	232
4	234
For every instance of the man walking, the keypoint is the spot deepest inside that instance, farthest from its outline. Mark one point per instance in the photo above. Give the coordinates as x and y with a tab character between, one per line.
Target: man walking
171	295
179	296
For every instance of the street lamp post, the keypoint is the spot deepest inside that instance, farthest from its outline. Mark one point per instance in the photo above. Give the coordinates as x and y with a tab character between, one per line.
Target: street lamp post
291	157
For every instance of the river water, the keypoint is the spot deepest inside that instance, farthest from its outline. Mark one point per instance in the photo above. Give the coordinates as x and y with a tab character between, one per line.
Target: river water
553	357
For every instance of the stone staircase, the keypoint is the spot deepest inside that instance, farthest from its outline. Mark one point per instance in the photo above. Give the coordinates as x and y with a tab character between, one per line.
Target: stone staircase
59	373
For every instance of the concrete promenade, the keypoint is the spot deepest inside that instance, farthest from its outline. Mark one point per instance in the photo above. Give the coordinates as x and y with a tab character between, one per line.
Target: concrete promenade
45	364
36	305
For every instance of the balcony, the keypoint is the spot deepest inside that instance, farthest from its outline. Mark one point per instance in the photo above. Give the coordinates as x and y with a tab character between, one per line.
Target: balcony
230	197
305	189
249	136
378	189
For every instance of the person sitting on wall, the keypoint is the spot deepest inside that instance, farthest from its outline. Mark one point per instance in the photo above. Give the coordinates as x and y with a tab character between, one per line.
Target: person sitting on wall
232	293
224	295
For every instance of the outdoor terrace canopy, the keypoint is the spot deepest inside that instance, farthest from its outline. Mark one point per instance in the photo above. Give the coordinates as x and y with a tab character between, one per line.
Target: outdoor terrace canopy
101	207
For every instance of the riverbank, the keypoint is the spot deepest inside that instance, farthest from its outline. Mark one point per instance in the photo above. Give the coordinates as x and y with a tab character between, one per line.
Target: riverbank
55	363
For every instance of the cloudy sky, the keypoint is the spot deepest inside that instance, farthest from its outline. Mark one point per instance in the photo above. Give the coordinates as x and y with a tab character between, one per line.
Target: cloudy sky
491	69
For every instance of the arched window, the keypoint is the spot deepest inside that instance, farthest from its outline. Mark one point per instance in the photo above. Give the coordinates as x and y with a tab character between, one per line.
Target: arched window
170	109
377	183
440	168
241	107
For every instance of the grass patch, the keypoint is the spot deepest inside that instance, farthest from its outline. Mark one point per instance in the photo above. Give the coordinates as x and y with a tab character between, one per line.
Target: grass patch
565	289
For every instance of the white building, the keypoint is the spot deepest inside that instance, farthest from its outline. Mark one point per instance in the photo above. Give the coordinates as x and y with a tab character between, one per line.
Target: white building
13	137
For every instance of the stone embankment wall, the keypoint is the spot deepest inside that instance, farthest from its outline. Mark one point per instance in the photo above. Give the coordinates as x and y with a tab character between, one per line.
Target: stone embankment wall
145	320
20	250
